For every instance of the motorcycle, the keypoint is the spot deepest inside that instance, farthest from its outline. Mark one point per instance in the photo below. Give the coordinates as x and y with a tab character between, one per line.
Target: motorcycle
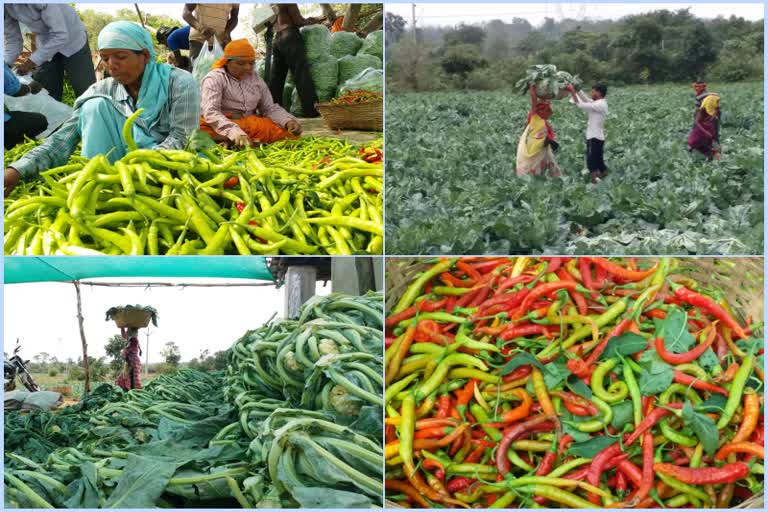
17	367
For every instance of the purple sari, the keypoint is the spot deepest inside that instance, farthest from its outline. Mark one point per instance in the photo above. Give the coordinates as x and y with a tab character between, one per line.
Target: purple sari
702	136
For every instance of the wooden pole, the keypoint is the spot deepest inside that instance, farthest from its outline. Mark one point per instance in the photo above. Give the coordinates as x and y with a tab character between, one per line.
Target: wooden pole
138	11
82	338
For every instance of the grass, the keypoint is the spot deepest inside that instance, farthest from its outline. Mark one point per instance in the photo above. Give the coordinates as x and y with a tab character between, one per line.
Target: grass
47	383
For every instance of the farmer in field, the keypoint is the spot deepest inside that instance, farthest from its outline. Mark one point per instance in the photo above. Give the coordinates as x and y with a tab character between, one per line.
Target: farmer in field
700	88
208	21
703	136
535	153
290	55
130	377
168	96
21	124
597	110
62	46
236	104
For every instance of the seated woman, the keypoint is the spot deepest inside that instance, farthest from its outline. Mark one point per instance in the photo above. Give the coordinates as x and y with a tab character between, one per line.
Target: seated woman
169	97
704	135
534	151
236	104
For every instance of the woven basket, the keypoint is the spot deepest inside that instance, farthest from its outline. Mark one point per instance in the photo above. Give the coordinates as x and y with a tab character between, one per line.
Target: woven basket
366	116
131	317
740	279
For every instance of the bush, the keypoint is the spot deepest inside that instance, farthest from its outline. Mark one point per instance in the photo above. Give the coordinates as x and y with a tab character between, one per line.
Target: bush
164	368
53	372
76	373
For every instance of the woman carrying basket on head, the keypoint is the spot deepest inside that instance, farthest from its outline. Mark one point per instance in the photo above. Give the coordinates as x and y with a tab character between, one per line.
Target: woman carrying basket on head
535	153
130	377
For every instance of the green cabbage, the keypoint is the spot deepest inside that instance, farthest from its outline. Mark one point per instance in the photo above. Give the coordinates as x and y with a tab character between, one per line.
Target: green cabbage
550	83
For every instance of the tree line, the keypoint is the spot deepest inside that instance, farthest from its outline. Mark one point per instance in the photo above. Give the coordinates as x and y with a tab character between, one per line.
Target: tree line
656	47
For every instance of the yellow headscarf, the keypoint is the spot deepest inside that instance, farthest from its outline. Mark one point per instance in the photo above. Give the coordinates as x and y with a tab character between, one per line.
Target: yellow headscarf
711	104
238	49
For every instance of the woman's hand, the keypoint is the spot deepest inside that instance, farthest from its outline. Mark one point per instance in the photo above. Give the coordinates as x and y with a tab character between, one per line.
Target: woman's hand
12	178
293	127
243	141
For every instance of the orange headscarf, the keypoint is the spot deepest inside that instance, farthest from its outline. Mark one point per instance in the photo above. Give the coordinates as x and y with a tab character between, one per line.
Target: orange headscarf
336	27
238	49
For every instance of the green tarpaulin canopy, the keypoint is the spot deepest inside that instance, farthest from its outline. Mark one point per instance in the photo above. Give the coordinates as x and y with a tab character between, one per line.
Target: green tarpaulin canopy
34	269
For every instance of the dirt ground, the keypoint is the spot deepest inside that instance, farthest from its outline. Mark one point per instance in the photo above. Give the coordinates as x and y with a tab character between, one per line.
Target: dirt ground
316	127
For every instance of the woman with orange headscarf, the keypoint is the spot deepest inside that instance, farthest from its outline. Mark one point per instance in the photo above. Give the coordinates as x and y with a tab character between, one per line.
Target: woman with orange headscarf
236	105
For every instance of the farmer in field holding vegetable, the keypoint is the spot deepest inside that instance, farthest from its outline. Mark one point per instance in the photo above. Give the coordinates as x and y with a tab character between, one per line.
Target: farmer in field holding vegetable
130	377
597	110
290	54
62	46
535	153
236	104
169	99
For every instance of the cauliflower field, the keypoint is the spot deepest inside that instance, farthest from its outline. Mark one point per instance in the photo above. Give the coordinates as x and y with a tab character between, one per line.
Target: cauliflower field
452	189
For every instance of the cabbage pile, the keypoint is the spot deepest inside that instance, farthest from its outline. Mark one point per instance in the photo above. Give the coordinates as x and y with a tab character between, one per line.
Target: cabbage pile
550	83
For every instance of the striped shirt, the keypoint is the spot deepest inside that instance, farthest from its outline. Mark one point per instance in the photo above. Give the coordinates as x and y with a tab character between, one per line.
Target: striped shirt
57	26
215	16
179	117
224	94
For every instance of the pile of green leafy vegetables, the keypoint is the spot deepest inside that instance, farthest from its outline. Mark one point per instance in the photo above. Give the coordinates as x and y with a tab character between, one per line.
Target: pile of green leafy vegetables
223	439
452	189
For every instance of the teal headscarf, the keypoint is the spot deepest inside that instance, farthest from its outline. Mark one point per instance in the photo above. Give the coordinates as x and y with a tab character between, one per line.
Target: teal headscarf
124	35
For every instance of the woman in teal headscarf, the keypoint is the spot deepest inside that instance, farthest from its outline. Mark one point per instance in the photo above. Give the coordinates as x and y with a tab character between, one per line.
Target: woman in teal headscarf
169	96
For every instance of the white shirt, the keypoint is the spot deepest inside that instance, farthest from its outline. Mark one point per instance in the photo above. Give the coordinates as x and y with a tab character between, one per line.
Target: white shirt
597	111
57	26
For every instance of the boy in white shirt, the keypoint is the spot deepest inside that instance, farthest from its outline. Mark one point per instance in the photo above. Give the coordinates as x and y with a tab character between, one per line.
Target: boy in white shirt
597	110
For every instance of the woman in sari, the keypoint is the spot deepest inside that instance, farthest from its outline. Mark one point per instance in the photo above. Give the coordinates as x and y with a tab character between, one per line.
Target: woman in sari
535	155
130	377
237	106
169	97
703	136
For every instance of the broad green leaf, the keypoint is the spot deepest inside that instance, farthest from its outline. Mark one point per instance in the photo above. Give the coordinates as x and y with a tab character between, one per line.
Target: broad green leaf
625	344
703	426
143	481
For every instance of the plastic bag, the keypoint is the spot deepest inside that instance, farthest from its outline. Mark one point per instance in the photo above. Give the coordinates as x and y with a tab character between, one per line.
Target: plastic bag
367	80
317	41
373	45
54	111
345	43
204	62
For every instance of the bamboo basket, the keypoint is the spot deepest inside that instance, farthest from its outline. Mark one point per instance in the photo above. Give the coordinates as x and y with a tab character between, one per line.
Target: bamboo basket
740	279
366	116
131	317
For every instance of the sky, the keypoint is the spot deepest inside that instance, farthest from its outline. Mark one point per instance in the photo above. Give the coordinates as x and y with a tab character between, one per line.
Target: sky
44	315
453	14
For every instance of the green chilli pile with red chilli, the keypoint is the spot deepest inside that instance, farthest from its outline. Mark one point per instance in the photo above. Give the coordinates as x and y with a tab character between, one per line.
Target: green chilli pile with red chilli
571	383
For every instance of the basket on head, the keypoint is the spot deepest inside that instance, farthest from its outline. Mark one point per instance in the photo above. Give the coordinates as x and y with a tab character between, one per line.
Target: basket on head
132	317
366	116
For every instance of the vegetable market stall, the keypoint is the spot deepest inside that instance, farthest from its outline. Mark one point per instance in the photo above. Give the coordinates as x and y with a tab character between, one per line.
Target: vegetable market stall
575	382
295	420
